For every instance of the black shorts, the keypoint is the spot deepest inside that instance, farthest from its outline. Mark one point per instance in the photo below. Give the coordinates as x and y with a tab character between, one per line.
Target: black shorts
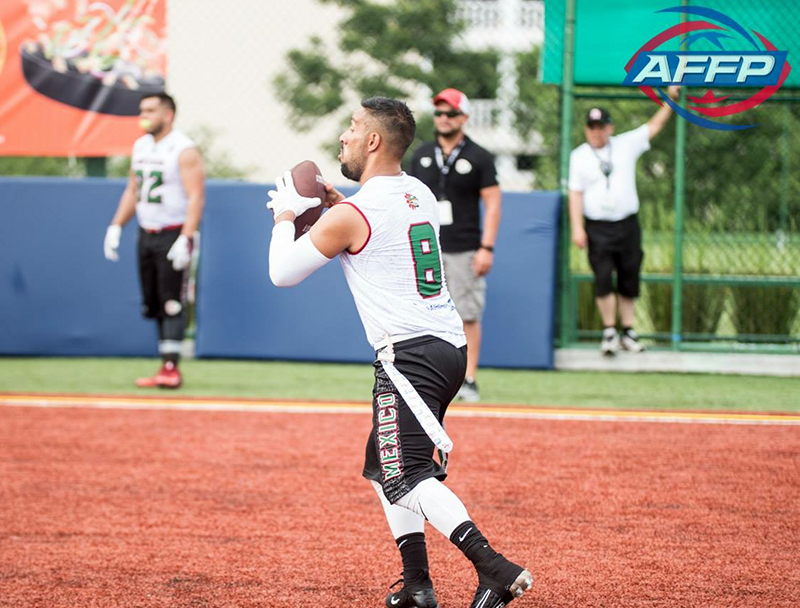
615	246
160	282
399	453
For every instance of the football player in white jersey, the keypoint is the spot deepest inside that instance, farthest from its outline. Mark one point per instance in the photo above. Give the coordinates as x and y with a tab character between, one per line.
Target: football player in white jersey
387	239
166	191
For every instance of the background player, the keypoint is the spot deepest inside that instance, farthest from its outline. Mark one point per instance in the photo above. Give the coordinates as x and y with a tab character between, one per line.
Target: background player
386	237
166	191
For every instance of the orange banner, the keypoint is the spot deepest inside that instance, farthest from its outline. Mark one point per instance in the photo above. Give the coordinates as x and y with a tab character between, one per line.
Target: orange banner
72	73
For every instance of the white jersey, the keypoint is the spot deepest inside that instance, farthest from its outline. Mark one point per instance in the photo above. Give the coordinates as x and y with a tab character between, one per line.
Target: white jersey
161	200
397	278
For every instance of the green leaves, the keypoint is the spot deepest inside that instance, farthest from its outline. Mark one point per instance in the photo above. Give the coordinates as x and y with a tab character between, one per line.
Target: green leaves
387	49
311	87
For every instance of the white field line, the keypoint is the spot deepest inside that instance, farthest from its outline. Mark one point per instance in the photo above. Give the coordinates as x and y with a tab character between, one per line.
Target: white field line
313	407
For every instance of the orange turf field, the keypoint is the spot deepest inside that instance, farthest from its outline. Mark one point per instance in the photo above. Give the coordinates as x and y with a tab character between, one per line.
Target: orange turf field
158	507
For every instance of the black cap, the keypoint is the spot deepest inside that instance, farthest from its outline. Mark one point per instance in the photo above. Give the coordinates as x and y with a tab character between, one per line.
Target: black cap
598	116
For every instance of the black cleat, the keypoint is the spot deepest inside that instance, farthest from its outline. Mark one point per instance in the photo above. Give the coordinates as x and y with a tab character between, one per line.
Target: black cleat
491	593
418	595
487	598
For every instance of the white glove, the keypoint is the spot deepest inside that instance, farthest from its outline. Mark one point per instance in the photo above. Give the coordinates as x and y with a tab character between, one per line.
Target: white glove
180	253
111	242
286	198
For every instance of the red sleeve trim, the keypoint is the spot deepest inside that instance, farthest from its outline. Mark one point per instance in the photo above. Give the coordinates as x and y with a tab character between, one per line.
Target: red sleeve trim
369	226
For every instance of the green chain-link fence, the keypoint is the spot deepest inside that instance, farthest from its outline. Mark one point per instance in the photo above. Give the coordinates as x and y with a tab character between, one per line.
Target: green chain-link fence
740	245
729	238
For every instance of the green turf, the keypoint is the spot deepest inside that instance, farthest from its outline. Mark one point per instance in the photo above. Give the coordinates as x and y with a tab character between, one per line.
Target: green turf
329	381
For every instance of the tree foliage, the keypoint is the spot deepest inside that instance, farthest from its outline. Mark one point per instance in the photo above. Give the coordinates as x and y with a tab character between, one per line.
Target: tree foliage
384	48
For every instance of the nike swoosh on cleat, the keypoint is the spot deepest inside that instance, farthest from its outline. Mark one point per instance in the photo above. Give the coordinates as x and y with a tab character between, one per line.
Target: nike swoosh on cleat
461	538
395	601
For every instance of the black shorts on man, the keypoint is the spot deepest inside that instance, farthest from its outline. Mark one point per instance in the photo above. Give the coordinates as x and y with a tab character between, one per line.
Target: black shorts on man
399	453
163	287
615	246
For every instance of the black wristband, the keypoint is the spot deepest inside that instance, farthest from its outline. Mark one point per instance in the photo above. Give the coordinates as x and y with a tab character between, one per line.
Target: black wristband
487	248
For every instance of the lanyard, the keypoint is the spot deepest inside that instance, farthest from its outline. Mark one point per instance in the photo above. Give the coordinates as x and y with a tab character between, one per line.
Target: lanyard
444	167
605	165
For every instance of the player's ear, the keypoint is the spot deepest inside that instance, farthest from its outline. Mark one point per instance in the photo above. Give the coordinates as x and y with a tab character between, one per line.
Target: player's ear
374	141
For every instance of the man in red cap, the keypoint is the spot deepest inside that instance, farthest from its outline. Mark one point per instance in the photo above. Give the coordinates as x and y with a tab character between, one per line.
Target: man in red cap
461	173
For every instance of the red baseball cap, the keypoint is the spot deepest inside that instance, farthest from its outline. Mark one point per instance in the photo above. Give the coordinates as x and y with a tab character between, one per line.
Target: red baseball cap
455	98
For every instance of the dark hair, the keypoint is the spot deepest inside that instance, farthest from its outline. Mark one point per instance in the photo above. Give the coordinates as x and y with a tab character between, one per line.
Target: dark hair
165	99
396	118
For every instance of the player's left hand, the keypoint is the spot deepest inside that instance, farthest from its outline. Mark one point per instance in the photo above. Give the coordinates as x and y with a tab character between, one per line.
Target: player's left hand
286	197
332	195
482	262
180	254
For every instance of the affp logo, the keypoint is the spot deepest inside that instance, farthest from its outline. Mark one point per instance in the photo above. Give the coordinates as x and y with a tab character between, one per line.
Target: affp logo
736	59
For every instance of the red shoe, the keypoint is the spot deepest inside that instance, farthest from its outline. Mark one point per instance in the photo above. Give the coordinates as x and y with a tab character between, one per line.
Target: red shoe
168	376
151	382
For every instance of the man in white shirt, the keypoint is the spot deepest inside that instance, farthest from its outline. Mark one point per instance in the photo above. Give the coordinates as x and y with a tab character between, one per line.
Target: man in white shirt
603	208
386	237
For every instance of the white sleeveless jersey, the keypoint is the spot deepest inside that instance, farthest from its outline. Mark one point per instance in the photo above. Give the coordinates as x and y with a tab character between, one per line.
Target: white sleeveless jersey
161	200
397	278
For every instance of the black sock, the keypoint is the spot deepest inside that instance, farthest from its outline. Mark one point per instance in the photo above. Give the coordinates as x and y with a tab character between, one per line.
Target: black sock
415	558
171	358
490	564
472	543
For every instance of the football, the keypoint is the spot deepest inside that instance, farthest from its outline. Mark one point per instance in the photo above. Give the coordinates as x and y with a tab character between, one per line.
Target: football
308	182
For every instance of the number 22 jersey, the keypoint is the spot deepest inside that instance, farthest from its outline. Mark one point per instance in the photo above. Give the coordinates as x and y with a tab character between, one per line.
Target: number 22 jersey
397	278
161	200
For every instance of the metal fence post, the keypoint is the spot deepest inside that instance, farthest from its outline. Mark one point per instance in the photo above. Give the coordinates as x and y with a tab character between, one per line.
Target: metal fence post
679	197
783	217
566	312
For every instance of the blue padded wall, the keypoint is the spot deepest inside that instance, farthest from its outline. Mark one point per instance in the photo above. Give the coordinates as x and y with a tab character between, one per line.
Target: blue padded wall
241	314
521	288
58	294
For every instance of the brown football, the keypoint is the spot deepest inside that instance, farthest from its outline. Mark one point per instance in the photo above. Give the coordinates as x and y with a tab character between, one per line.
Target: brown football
308	182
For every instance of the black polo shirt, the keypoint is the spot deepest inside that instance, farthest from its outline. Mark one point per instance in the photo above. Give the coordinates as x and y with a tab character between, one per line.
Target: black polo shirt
472	171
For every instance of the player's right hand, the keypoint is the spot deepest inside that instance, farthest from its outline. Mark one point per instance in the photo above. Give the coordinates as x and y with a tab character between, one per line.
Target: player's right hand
111	242
286	197
579	237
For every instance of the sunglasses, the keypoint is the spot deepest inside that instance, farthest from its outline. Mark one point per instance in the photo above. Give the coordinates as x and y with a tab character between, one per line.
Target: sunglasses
448	113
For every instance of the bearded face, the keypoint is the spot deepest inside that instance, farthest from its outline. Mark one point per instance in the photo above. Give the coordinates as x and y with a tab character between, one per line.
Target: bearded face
353	152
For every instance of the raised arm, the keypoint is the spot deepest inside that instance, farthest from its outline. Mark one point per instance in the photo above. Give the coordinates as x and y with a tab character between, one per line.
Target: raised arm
660	118
340	228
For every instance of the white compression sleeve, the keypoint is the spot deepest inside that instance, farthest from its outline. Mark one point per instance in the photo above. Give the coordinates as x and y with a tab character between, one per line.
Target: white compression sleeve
292	261
436	502
401	520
